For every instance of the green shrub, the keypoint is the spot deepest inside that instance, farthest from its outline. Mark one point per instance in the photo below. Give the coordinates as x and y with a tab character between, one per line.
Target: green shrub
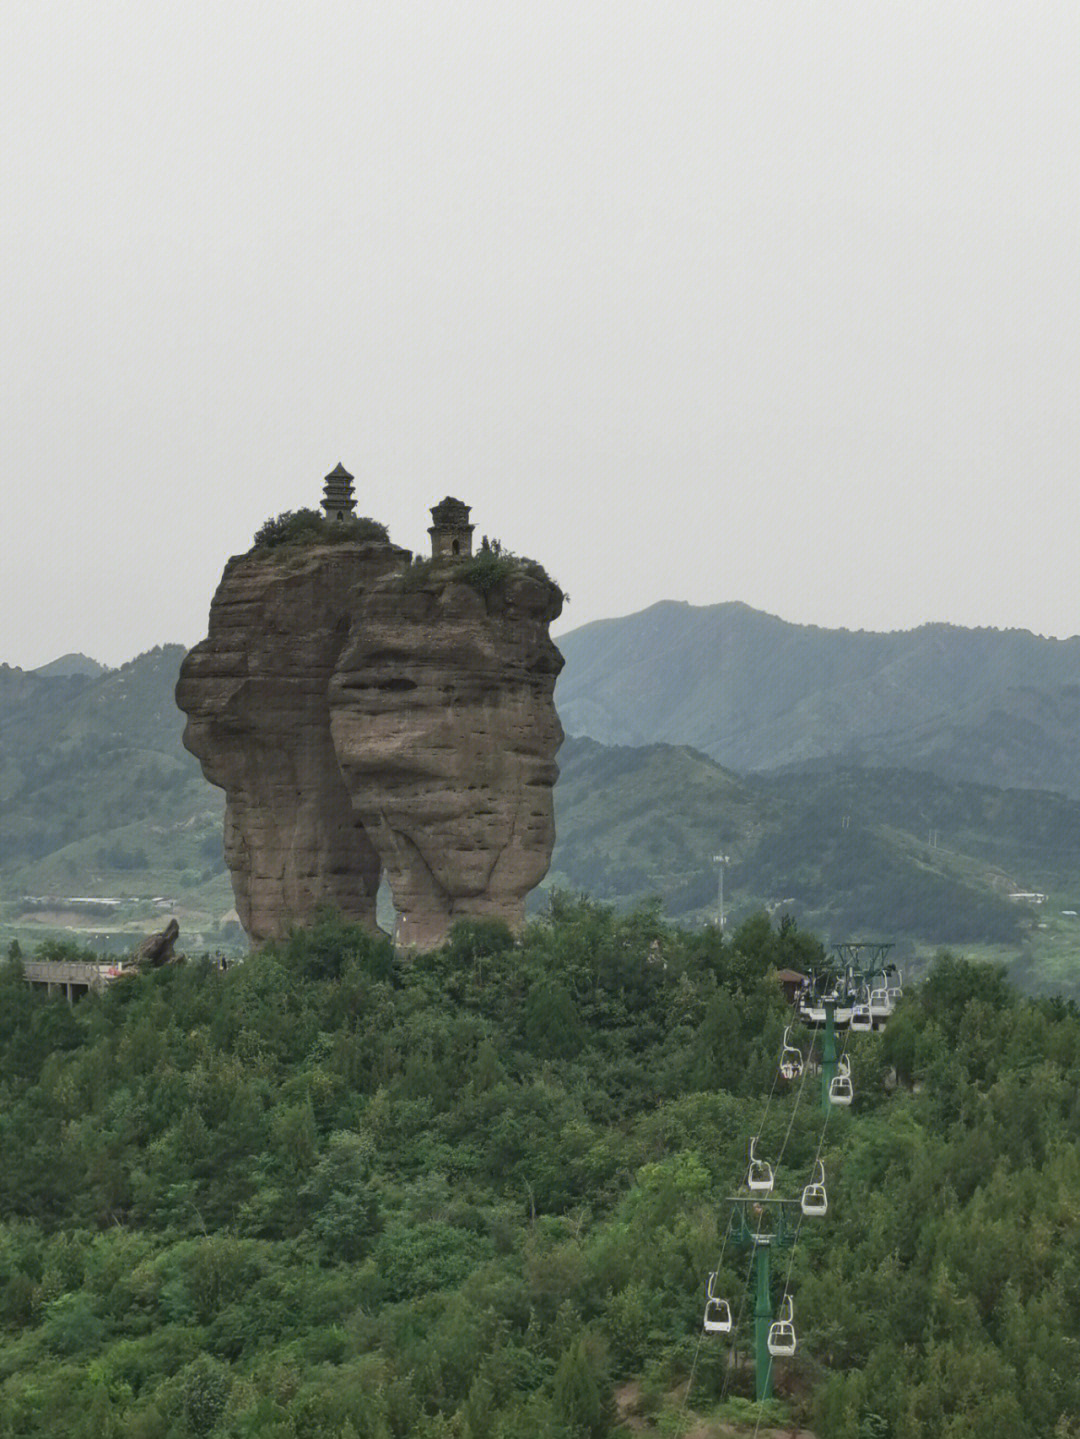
417	574
488	569
308	527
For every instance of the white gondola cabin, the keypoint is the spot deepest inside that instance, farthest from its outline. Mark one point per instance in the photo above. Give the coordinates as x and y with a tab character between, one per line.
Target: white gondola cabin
717	1317
840	1087
791	1060
759	1176
862	1021
717	1311
814	1199
881	1006
781	1341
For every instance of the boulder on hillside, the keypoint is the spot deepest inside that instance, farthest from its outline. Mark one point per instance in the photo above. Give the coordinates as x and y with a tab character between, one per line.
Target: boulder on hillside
157	950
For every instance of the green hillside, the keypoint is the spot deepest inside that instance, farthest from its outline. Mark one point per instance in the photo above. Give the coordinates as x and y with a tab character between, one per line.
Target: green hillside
998	707
873	853
100	799
477	1196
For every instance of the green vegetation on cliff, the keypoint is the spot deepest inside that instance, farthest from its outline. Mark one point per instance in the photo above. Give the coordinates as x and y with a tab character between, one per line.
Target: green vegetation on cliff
330	1194
309	527
488	570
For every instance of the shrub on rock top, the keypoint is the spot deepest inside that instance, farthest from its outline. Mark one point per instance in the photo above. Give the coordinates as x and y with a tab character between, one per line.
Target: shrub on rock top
308	527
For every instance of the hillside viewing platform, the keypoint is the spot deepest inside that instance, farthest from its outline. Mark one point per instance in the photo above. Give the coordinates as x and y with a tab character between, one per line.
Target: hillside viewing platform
74	979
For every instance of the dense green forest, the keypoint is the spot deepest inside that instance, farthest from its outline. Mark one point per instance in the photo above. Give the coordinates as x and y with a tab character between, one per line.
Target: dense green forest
332	1194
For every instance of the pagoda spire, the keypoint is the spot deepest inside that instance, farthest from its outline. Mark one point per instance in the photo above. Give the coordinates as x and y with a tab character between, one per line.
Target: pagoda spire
338	502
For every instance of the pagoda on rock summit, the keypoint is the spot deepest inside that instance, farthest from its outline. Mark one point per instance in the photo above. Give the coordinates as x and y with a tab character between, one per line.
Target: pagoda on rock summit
338	501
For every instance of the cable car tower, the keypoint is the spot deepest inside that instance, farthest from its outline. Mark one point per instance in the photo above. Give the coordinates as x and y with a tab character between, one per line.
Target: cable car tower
850	954
763	1224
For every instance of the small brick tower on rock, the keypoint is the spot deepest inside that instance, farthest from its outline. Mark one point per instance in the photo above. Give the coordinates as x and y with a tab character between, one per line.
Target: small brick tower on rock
450	531
338	502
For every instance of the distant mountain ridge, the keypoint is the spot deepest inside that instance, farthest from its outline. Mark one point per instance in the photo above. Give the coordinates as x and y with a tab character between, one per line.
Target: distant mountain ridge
997	707
73	664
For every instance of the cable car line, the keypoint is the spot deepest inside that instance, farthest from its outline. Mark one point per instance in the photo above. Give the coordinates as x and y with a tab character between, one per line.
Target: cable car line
780	1340
788	1333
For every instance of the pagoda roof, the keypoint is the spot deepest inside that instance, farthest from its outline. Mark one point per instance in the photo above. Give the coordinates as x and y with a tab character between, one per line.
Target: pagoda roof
450	512
339	472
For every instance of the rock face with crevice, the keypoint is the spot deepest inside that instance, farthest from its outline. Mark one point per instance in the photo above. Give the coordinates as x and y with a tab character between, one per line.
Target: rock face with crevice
366	718
255	693
444	726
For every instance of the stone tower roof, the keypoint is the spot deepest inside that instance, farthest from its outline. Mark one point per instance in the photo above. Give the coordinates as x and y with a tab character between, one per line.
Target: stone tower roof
450	513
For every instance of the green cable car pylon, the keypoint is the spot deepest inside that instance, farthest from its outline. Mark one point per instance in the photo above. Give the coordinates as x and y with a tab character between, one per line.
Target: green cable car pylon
828	1055
746	1235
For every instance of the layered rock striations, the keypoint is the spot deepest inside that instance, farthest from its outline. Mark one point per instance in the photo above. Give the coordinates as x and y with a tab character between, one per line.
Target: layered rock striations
444	726
255	693
367	717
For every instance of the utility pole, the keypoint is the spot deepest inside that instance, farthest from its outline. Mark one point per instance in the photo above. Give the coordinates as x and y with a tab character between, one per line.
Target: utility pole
721	860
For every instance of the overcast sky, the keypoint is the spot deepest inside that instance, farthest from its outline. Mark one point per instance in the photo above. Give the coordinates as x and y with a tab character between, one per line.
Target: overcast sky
769	301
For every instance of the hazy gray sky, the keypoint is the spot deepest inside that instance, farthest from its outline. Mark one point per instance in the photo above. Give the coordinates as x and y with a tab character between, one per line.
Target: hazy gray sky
770	301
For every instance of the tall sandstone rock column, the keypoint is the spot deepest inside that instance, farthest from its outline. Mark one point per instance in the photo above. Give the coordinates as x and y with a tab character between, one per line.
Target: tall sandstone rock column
255	693
444	726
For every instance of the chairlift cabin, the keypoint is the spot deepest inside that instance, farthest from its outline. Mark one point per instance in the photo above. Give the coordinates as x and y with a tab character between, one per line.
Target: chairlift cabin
810	1011
814	1199
862	1021
717	1317
881	1006
840	1089
791	1060
813	1013
717	1311
896	989
781	1340
759	1176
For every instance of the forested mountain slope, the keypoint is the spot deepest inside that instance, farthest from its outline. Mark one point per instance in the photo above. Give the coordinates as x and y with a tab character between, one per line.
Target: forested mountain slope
98	797
999	707
851	852
335	1195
